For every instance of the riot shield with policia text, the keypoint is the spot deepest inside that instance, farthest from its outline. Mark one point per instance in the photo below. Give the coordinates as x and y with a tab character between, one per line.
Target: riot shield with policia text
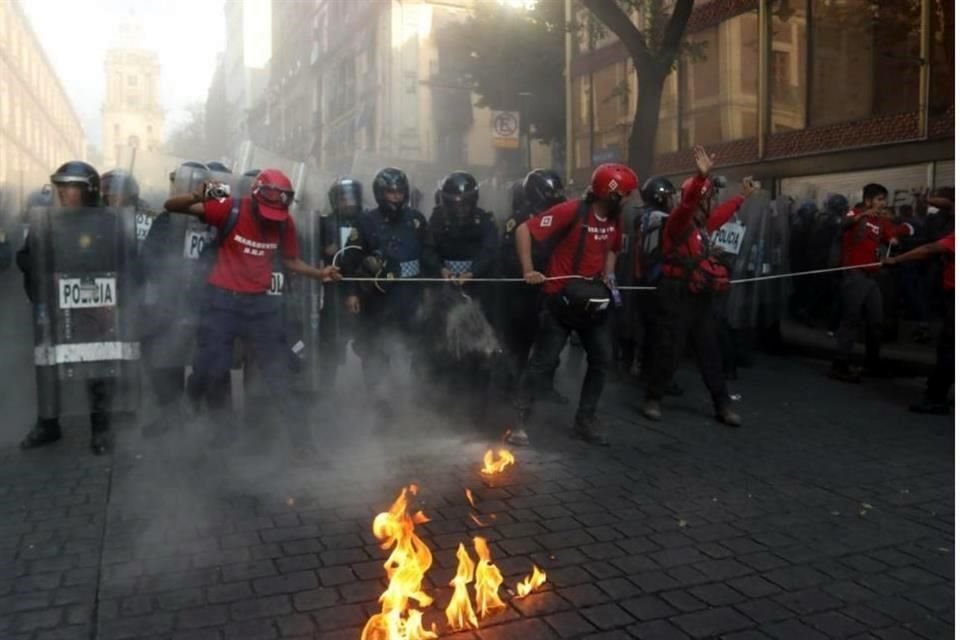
81	263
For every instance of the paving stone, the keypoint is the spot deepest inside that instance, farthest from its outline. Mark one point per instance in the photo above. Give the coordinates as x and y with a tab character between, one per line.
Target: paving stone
569	624
648	608
792	630
711	622
657	630
835	625
763	611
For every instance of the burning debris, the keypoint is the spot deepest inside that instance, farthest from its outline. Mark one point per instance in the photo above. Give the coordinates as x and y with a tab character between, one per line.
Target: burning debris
410	560
460	613
487	581
531	583
493	466
406	567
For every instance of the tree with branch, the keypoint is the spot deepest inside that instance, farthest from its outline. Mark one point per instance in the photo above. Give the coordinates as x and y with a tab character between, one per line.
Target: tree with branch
654	47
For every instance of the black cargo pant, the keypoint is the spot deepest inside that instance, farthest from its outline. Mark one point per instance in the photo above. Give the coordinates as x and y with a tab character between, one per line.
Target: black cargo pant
520	322
861	302
552	336
941	379
684	316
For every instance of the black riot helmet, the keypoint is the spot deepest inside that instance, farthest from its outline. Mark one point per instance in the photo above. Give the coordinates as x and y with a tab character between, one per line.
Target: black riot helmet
543	188
119	183
658	192
346	196
459	192
80	173
218	167
391	179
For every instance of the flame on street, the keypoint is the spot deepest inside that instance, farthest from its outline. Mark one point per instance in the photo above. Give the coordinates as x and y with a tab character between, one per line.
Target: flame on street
460	613
531	582
406	567
470	498
488	580
491	466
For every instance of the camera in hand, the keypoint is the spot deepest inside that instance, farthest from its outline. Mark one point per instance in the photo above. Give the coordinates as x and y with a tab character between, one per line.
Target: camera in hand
217	191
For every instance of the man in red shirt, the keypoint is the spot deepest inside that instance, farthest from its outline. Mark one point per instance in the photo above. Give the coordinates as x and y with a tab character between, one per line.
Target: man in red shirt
941	379
588	236
238	305
684	296
865	229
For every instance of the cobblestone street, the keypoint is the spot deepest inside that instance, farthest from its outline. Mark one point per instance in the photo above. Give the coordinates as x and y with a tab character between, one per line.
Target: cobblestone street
829	514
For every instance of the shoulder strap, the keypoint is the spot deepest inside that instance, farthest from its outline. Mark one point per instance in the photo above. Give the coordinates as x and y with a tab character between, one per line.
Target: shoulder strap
581	219
232	220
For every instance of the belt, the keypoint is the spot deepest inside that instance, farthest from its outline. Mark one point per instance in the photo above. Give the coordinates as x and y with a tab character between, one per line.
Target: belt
237	294
458	267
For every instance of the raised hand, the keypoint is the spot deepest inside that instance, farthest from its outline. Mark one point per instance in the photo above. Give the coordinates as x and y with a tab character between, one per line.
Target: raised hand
703	160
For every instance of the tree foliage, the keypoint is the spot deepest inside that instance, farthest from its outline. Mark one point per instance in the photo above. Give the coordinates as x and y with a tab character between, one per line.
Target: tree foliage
652	32
514	60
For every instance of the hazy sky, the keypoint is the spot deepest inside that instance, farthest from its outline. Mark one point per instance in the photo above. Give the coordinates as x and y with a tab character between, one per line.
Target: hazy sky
187	35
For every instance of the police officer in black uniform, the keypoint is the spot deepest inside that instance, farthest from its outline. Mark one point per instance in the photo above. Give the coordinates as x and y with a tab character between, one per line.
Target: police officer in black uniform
173	284
658	195
461	245
390	240
346	205
77	184
520	303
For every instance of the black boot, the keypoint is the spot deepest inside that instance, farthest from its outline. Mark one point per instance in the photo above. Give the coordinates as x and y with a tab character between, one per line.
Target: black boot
46	431
101	440
591	431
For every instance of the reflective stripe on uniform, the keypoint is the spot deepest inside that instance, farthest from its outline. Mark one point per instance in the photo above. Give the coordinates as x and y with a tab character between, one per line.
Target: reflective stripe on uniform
410	269
85	352
458	267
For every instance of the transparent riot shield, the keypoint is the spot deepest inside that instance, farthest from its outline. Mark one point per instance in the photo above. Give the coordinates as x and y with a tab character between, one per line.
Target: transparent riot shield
152	172
84	295
745	236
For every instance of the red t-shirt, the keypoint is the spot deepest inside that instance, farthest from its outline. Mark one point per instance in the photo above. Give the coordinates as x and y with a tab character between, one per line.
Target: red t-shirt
245	259
861	242
603	236
949	243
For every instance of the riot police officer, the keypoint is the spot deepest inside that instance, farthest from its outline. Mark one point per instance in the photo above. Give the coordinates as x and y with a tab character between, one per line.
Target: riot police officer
119	189
520	304
346	205
461	245
174	267
76	184
658	195
390	240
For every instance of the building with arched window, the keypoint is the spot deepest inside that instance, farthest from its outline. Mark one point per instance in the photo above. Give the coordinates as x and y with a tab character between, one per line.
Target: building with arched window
132	116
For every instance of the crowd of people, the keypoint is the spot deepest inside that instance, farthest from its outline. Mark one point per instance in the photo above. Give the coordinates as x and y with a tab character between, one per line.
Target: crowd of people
222	266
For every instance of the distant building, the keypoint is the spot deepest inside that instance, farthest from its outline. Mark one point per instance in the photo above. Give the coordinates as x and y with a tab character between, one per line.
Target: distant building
39	128
245	63
359	83
132	116
813	97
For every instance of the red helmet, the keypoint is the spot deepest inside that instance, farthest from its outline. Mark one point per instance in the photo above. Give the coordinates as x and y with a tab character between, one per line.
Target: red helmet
613	182
274	194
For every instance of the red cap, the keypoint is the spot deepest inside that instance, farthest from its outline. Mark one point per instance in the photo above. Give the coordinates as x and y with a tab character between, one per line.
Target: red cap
273	193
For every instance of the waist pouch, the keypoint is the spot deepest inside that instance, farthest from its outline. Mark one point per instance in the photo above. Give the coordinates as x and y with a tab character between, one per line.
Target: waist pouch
581	304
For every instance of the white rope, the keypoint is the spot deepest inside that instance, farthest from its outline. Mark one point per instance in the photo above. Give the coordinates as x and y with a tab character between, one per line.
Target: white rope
778	276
